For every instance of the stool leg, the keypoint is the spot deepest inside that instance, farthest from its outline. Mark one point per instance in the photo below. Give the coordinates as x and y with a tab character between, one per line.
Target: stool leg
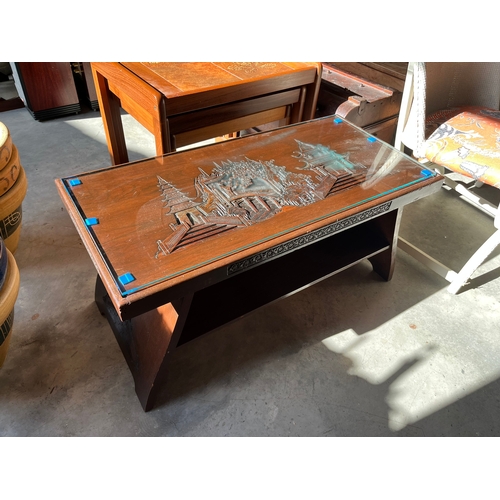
109	105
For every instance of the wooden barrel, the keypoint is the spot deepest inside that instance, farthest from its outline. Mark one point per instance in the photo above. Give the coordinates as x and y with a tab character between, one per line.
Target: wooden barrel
10	172
8	297
11	211
5	145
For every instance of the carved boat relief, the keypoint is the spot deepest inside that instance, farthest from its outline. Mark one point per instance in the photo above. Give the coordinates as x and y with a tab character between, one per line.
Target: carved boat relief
242	193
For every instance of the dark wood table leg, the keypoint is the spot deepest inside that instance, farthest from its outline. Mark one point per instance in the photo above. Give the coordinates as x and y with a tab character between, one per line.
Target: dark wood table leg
383	263
146	341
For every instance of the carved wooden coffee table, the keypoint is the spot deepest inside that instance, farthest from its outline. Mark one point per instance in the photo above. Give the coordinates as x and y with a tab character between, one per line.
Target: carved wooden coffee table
186	242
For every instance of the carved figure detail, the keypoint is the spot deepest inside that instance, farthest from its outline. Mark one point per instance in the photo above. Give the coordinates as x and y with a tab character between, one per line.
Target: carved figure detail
241	193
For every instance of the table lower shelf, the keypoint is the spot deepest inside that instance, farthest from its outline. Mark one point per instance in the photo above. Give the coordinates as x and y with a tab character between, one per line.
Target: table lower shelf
243	293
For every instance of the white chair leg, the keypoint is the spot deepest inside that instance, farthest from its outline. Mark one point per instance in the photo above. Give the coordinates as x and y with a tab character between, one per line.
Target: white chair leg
474	262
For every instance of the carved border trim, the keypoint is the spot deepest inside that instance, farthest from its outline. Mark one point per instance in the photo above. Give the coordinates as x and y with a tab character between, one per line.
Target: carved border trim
306	239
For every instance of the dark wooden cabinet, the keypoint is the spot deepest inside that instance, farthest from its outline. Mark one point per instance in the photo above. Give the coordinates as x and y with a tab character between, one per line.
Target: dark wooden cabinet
47	89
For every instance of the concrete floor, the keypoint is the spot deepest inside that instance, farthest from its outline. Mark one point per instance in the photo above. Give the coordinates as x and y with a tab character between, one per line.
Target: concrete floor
350	356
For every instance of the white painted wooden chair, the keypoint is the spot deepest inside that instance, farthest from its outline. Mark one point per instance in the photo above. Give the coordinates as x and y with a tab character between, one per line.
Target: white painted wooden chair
449	119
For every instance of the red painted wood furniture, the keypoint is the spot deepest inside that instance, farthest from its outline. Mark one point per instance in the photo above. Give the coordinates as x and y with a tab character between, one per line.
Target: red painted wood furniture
186	103
186	242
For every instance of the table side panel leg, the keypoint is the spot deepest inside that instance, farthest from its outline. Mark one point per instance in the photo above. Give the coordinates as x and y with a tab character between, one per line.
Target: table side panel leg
383	263
155	335
146	341
121	329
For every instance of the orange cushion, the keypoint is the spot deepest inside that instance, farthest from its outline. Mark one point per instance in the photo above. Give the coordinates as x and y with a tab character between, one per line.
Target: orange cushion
468	143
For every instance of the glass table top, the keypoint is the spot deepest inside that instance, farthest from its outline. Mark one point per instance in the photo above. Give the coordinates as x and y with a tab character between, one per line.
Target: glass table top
155	219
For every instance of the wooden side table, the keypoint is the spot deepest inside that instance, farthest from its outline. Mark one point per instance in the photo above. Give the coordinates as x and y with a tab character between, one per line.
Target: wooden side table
185	103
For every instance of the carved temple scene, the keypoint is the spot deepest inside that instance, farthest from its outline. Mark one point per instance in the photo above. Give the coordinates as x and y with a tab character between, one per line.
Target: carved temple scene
241	193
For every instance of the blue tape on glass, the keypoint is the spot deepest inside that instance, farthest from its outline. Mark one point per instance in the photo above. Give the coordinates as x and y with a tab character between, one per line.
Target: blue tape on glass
372	139
427	173
91	221
126	278
337	120
75	182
